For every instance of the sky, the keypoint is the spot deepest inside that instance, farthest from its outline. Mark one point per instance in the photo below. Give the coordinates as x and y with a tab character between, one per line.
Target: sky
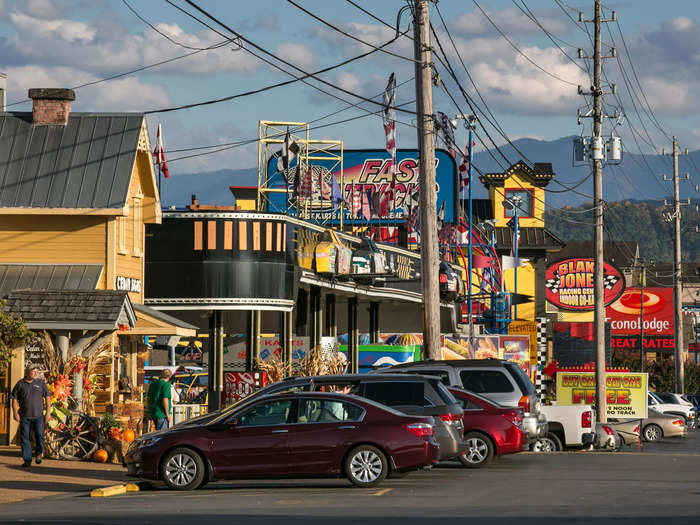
526	81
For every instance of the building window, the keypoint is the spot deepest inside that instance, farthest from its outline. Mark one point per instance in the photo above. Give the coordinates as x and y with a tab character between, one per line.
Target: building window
138	228
122	223
526	207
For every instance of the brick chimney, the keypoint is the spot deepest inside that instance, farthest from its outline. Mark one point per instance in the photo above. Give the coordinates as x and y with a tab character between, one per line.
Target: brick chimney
51	105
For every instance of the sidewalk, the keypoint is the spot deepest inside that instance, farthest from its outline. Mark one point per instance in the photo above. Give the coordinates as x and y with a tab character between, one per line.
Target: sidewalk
52	476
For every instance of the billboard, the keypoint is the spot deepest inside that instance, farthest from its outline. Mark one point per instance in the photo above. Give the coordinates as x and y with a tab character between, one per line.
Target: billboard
570	283
625	392
625	314
364	170
574	343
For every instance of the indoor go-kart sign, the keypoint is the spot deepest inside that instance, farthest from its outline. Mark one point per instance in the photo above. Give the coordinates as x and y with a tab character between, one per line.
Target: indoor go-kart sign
570	284
625	392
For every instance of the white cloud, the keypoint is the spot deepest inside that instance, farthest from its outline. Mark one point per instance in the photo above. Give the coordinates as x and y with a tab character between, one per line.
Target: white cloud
298	54
66	30
511	21
349	81
125	94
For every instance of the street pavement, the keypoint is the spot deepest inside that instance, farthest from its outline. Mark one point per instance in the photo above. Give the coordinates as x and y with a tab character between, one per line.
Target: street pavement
659	485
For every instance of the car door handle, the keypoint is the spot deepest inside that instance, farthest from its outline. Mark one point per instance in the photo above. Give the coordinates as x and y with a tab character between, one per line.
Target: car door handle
279	431
347	427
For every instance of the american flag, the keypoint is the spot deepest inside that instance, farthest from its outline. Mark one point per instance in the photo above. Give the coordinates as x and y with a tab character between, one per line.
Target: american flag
464	168
448	135
389	121
306	185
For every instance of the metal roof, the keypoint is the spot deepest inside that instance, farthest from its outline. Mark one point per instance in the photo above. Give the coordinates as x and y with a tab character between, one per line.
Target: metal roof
85	164
48	277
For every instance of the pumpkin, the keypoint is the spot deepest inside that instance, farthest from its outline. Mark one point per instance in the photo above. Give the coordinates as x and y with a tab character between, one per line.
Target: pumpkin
100	455
128	436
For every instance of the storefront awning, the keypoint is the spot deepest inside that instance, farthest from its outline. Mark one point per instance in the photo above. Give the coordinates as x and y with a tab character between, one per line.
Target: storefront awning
150	321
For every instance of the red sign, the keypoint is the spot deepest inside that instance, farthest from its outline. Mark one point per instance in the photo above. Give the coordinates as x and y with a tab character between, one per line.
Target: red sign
625	314
570	284
238	385
659	343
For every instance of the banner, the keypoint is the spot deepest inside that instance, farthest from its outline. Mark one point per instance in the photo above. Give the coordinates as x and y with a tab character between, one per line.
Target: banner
624	315
625	392
570	283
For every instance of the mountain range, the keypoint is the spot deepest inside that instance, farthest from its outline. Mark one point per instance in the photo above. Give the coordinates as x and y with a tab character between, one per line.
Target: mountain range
638	177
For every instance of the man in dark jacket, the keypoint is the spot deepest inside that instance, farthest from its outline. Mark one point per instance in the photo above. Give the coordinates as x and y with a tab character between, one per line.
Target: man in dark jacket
30	397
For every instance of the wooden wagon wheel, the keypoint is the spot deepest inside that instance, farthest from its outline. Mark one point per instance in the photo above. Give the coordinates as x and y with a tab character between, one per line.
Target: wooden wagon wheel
75	436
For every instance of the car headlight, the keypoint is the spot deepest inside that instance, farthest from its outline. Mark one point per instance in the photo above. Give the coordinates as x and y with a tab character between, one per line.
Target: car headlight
145	442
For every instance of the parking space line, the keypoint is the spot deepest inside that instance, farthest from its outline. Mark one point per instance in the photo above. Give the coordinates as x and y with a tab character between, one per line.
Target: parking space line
381	492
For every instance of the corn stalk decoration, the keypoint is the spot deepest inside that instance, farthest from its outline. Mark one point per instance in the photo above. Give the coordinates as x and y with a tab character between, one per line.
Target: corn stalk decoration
318	361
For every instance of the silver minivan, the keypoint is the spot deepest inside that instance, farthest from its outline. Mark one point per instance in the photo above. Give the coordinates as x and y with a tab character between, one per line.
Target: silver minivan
502	381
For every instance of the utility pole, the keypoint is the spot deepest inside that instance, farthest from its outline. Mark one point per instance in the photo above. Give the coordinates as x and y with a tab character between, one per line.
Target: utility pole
677	278
428	195
599	291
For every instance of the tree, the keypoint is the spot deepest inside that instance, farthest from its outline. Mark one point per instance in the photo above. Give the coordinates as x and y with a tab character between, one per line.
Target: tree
13	332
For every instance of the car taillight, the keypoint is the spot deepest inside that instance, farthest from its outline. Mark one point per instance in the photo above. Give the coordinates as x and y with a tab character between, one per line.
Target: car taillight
420	429
515	417
451	419
609	431
678	422
443	278
524	403
636	429
587	419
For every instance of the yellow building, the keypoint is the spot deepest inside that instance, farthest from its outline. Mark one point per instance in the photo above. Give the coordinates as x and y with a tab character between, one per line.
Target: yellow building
527	184
76	191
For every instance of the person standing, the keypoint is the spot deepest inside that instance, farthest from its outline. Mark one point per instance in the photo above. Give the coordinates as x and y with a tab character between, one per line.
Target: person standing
30	398
160	400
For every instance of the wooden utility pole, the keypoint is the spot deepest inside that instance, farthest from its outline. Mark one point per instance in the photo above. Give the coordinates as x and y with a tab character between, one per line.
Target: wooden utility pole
599	291
677	278
428	195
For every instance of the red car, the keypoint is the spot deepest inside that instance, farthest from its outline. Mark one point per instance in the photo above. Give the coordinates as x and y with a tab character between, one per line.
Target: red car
490	429
309	434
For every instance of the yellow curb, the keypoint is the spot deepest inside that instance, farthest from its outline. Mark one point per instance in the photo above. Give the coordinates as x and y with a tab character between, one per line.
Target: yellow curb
108	491
132	487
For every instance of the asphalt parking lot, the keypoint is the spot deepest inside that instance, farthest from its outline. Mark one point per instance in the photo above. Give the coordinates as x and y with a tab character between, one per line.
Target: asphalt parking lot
660	485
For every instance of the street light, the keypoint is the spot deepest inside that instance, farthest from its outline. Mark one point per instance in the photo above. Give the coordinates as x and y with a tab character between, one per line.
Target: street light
514	204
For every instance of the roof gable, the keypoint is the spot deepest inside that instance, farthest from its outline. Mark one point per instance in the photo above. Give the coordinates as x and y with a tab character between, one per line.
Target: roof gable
86	164
539	175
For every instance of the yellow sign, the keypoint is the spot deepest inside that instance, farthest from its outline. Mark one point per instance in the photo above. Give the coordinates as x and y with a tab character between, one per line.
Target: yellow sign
625	392
526	328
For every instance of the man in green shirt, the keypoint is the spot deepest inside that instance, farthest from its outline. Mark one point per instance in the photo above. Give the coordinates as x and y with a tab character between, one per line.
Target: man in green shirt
159	400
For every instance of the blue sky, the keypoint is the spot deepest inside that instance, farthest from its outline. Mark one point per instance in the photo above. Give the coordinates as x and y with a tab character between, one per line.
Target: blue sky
63	43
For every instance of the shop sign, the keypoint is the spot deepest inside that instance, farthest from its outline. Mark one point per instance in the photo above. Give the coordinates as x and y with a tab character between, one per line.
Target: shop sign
528	328
34	353
238	385
364	172
570	284
652	343
128	284
625	392
625	314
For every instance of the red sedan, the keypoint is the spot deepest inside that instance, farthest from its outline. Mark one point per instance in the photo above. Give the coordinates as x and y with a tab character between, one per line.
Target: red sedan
310	434
490	429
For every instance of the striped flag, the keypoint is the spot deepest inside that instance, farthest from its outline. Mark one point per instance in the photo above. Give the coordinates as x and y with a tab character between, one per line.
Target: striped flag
159	154
389	121
306	185
448	135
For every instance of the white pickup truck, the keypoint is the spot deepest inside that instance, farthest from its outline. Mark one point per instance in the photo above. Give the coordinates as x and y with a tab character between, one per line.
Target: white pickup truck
570	426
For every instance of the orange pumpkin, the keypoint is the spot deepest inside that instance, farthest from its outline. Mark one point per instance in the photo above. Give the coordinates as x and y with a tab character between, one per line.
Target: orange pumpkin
100	455
128	436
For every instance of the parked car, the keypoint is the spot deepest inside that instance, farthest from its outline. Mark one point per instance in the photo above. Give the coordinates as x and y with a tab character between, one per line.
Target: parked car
489	429
607	437
695	400
568	426
411	394
627	429
304	434
687	412
501	381
659	425
672	398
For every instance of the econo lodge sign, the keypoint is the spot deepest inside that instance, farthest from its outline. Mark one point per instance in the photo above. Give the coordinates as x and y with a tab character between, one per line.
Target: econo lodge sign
570	284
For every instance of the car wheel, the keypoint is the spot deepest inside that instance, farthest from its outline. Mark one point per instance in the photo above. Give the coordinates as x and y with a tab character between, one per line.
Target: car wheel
182	469
653	432
544	444
366	466
622	443
479	452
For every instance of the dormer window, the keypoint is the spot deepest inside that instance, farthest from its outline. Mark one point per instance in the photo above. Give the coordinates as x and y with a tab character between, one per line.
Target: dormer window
526	209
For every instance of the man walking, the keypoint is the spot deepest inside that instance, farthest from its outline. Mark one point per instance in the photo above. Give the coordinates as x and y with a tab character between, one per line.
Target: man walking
159	400
30	397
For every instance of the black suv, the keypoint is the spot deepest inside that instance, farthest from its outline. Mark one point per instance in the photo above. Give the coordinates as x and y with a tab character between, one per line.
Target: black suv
410	394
